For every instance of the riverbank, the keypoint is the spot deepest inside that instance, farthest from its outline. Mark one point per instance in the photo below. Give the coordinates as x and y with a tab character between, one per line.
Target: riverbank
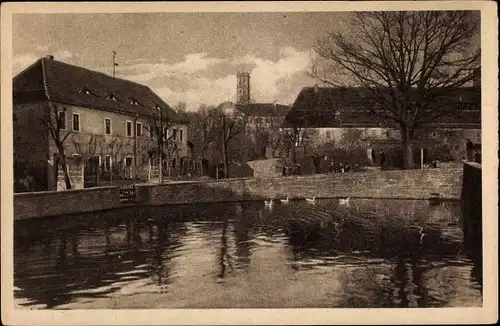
405	184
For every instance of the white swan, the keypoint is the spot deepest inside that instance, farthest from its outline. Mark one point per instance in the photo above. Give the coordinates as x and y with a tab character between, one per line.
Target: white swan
309	200
268	203
344	201
285	201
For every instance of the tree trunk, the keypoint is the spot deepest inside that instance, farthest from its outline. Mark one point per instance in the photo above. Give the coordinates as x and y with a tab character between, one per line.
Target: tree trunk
224	148
64	167
226	160
406	147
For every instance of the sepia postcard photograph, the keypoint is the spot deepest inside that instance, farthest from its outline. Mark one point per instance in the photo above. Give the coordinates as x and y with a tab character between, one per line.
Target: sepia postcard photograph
249	163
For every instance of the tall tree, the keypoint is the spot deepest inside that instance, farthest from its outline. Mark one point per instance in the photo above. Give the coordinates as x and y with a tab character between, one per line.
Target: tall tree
202	128
232	125
165	141
408	62
55	121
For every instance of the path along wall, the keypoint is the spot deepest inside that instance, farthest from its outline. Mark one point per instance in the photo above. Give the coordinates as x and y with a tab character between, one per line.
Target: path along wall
414	184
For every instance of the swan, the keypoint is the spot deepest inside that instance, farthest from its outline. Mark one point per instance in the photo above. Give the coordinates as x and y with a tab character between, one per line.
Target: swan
344	201
268	203
309	200
285	201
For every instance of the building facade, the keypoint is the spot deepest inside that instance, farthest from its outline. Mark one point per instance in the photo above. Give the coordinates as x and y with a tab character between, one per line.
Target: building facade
321	116
263	120
107	124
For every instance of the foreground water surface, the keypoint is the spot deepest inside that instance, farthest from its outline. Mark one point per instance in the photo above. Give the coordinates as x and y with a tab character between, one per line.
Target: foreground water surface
370	253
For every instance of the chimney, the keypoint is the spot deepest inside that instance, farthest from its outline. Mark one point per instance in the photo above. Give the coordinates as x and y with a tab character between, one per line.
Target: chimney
49	57
316	88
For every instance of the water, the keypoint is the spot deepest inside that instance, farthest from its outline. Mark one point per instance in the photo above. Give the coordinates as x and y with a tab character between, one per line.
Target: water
244	255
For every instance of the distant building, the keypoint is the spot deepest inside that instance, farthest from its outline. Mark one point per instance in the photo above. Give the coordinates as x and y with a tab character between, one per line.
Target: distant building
98	111
327	112
263	119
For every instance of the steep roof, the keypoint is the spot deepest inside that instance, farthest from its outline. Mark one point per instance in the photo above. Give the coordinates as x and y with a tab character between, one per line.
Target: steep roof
336	107
61	82
264	109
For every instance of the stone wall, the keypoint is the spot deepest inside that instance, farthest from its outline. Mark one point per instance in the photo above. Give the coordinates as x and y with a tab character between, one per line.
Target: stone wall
52	203
415	184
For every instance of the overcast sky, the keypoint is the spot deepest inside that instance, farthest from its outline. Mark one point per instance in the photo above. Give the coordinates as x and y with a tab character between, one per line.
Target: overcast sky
190	57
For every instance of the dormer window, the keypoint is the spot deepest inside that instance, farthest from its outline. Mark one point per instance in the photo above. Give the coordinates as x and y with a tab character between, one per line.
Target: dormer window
134	101
111	97
85	91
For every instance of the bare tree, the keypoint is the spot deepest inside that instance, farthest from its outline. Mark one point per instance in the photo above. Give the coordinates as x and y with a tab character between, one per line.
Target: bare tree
116	147
181	109
202	126
408	62
86	145
166	141
232	125
351	138
55	122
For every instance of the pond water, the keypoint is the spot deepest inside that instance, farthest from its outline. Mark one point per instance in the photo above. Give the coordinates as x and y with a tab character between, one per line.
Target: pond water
369	253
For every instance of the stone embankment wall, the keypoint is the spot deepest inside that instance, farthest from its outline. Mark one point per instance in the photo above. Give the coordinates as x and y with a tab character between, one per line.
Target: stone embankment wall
414	184
52	203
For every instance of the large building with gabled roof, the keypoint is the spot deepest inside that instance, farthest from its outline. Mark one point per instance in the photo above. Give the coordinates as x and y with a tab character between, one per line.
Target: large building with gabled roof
102	117
327	112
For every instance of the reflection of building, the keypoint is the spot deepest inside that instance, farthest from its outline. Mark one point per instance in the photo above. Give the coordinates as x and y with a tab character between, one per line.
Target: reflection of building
98	113
328	112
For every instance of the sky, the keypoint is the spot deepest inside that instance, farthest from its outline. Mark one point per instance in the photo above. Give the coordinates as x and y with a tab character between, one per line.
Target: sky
189	57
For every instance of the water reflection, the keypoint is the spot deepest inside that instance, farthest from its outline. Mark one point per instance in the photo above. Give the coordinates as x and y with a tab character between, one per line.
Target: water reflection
244	255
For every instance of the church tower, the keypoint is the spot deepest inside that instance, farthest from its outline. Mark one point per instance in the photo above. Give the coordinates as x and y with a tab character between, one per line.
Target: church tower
243	88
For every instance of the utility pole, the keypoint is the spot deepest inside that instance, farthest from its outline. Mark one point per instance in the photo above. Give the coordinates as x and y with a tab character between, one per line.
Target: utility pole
114	63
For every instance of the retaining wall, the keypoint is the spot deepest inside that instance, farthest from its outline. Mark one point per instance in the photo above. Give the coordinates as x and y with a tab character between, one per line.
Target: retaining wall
52	203
413	184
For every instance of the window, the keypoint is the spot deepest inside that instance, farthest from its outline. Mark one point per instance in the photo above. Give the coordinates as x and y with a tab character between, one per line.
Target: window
173	163
61	119
174	134
139	129
111	97
180	134
328	134
85	91
165	133
107	163
134	102
151	132
76	122
129	128
107	126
